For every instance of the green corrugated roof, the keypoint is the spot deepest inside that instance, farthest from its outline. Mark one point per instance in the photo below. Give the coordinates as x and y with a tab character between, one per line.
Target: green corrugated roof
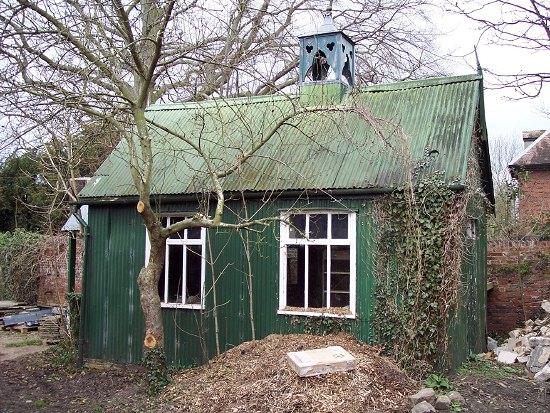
398	124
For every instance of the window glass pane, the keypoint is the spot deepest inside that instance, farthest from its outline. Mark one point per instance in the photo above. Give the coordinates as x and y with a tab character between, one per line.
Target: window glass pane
317	277
194	233
339	226
339	276
193	274
177	235
295	278
318	226
297	226
175	272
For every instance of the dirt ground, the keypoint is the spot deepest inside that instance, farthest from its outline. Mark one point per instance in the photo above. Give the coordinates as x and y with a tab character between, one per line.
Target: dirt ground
490	387
41	383
18	344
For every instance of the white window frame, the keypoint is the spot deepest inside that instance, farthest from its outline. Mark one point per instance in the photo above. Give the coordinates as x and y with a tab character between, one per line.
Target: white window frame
285	241
185	242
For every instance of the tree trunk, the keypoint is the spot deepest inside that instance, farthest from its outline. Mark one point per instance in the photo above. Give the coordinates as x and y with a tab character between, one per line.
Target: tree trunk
148	279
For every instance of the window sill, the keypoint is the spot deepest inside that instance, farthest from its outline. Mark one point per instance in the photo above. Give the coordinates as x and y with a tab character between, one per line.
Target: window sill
182	306
335	313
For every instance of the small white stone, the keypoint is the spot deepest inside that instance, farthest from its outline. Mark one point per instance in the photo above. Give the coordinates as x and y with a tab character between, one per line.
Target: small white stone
539	341
426	394
507	357
545	305
423	407
457	397
515	333
512	343
523	359
492	344
521	351
443	403
544	374
539	357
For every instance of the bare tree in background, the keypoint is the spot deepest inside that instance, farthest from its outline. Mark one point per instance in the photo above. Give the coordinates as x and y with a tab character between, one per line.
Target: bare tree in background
66	63
520	24
503	225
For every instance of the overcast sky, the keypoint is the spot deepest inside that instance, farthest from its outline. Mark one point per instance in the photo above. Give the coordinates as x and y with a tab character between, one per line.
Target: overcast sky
506	118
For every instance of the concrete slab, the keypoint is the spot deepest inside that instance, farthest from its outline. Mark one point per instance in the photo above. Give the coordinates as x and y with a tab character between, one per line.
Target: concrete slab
321	361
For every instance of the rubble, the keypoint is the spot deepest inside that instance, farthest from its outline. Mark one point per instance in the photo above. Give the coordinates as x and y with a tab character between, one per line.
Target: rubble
507	357
423	407
427	400
443	403
456	397
529	345
425	395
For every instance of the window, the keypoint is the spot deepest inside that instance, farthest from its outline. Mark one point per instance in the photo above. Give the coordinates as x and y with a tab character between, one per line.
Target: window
471	229
181	284
317	264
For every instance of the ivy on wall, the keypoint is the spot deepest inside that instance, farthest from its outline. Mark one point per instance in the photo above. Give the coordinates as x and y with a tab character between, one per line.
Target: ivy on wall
419	269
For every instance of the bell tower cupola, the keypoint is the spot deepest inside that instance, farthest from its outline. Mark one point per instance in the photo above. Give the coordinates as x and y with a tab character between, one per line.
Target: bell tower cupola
327	55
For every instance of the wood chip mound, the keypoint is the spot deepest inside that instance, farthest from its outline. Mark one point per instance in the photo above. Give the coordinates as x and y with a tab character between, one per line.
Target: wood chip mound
255	377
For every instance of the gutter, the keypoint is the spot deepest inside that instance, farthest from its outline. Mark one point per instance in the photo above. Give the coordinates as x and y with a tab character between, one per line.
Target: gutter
86	232
351	192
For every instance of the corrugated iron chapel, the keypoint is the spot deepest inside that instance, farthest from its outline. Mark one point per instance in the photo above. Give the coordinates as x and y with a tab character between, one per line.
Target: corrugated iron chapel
319	176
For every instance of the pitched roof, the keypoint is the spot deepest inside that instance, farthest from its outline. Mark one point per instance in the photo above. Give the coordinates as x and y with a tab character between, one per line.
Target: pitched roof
395	125
536	155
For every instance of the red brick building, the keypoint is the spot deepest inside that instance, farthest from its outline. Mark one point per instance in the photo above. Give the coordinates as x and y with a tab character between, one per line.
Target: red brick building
531	168
519	271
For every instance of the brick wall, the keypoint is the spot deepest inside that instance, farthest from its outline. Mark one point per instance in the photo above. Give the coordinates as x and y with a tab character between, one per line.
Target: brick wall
534	200
519	273
52	270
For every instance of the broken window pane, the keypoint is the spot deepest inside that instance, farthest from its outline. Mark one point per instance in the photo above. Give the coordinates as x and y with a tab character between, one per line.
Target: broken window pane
317	276
339	226
297	227
346	72
175	273
295	278
339	275
318	226
193	274
319	70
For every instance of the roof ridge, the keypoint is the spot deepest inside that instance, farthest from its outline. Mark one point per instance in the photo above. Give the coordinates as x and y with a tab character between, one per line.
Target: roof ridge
221	101
430	81
243	100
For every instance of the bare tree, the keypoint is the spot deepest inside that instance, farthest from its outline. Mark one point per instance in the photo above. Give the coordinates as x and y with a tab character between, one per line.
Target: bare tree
519	24
503	224
69	62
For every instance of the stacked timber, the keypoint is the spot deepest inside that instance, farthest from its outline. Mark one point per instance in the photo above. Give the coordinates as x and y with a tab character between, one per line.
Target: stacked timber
8	308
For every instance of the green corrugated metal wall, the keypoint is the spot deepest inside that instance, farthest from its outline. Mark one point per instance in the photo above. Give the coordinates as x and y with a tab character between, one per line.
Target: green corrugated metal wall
113	324
467	330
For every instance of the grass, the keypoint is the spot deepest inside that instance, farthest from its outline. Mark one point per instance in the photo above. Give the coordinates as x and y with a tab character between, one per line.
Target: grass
40	403
24	343
489	369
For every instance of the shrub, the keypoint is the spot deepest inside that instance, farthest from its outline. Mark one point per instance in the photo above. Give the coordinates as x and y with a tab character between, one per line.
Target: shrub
19	257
